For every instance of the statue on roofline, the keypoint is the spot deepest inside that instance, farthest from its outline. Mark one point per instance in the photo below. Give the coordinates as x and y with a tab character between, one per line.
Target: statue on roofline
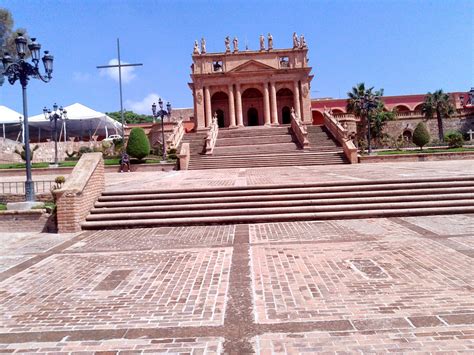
302	42
203	45
196	47
227	44
236	44
270	42
296	43
262	43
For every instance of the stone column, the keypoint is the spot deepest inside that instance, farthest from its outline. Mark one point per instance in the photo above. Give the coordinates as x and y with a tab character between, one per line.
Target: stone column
238	106
231	106
273	101
296	98
207	101
199	108
266	104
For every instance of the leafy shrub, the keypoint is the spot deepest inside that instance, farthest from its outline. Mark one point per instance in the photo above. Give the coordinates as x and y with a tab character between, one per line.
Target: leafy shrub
22	153
106	144
172	154
118	144
454	139
138	145
421	136
83	150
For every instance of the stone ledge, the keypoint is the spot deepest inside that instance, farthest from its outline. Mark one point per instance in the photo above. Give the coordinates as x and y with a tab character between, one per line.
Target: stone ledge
108	169
416	157
27	221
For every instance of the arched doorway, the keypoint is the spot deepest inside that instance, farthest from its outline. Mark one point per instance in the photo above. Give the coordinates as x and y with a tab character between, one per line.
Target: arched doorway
220	106
252	103
220	118
318	118
284	100
252	116
407	135
286	115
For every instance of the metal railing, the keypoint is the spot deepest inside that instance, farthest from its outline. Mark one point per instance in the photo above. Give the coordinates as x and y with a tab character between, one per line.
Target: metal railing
18	187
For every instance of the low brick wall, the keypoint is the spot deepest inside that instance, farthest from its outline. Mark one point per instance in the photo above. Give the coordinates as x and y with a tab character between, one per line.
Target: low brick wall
416	157
27	221
42	197
78	195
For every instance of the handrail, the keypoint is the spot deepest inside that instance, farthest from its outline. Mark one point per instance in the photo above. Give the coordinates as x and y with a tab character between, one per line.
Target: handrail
341	134
299	129
184	156
174	138
211	137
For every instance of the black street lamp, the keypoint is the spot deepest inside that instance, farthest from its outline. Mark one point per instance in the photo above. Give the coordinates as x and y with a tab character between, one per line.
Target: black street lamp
54	116
162	113
19	69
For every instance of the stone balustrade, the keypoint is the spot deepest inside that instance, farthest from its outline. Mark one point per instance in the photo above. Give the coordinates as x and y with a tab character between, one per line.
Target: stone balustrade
299	129
184	156
341	134
212	136
174	138
81	190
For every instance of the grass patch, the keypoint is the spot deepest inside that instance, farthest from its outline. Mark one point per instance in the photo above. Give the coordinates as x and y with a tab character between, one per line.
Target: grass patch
424	151
72	163
3	207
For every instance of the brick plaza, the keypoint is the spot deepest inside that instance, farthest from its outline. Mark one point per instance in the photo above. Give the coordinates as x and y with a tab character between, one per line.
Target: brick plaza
375	285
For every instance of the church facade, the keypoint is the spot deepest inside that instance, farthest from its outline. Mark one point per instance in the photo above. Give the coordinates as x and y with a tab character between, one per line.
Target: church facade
251	88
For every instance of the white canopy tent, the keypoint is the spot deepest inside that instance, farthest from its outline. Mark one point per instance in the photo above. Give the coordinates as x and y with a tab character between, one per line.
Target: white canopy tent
10	119
81	121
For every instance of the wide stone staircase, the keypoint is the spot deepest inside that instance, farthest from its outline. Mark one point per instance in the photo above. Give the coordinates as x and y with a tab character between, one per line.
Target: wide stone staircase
253	147
286	202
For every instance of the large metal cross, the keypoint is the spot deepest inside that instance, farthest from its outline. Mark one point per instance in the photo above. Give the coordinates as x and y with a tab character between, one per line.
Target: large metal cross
119	66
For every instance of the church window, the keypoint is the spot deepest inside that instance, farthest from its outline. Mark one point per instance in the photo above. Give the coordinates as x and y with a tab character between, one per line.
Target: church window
217	65
284	62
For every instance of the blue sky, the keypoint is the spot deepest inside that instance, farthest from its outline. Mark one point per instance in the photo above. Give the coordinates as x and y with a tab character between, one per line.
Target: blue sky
405	47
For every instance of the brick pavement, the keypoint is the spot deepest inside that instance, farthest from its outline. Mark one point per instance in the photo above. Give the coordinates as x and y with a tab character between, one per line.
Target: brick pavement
372	286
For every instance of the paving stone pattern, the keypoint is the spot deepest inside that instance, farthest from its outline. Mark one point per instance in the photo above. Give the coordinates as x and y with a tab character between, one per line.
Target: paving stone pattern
372	286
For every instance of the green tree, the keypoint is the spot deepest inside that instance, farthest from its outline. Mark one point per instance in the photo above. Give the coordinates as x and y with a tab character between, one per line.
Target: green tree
366	103
378	120
138	145
130	117
8	34
7	37
421	136
439	104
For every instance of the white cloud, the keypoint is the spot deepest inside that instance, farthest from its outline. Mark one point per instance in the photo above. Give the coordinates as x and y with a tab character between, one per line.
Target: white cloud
143	106
128	73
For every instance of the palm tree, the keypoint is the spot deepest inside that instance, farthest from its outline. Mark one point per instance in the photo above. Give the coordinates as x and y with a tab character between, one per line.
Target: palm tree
438	103
364	103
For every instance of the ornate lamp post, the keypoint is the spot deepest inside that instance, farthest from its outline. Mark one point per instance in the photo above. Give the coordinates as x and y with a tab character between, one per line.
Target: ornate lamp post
19	69
162	113
54	117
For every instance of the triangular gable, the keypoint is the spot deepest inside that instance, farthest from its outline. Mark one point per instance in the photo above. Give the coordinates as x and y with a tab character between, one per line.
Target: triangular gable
250	66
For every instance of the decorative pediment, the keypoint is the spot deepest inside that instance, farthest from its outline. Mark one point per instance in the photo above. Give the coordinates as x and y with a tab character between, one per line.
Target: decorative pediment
251	66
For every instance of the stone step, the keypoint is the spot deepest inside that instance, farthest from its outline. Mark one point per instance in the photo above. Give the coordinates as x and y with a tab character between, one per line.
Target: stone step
280	217
269	148
171	205
311	193
284	138
295	154
277	210
263	163
283	202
